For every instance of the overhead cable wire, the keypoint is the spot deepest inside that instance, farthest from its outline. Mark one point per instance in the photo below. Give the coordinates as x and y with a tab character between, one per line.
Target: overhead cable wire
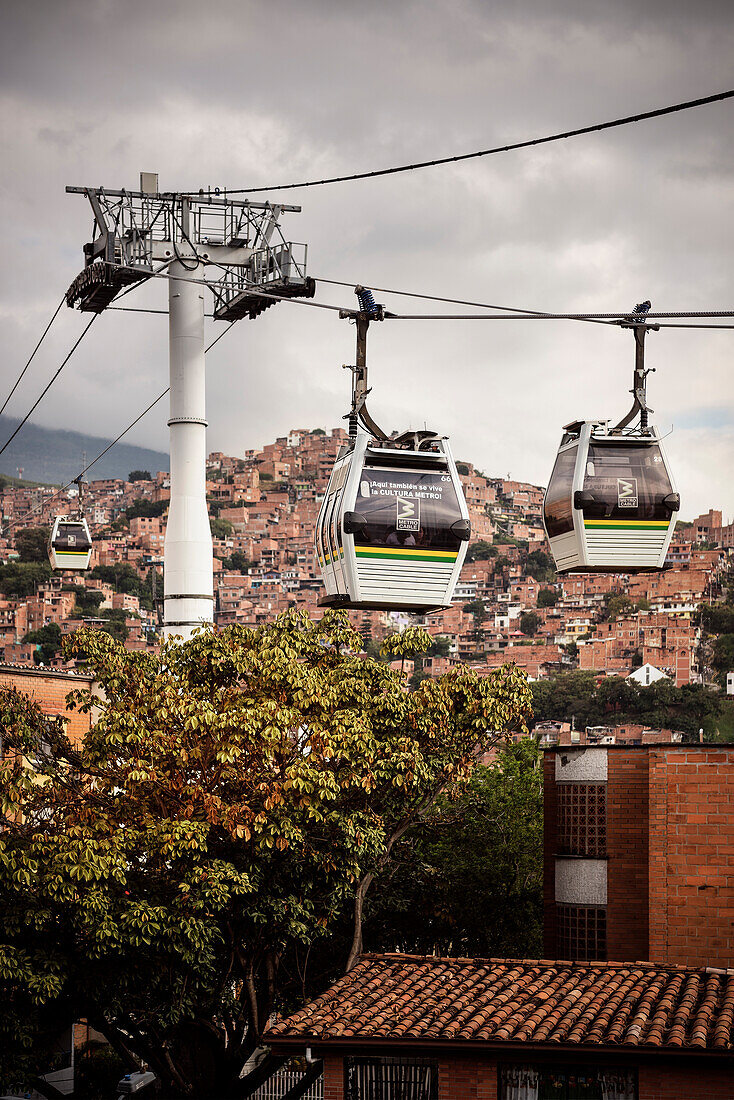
530	315
597	127
33	353
16	522
45	390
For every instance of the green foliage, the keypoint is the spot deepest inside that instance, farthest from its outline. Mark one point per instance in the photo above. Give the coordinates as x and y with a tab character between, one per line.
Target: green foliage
234	795
146	509
474	873
139	475
717	618
48	638
540	567
96	1072
318	431
529	622
616	701
547	597
237	562
266	477
124	578
615	605
722	655
20	579
462	468
478	609
481	551
87	600
440	646
32	544
220	528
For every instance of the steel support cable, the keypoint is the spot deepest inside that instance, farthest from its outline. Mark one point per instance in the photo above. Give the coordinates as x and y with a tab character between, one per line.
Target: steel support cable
109	446
626	121
49	385
33	354
529	315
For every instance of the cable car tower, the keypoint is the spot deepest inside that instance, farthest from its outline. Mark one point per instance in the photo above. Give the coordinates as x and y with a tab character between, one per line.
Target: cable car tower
138	234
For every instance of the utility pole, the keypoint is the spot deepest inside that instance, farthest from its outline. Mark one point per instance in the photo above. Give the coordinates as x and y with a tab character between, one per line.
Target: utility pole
138	235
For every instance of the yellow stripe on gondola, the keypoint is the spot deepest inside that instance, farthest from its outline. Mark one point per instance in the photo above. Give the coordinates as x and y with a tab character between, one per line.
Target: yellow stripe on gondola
406	553
627	524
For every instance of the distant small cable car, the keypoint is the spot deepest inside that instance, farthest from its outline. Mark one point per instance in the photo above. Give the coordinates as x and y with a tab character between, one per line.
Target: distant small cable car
393	527
70	545
611	505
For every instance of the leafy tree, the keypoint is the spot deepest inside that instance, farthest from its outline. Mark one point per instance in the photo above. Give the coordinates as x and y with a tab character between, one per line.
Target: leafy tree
220	528
146	509
32	544
462	468
234	793
139	475
48	640
722	658
717	618
318	431
540	567
440	646
547	597
237	562
474	872
481	551
21	579
615	605
529	622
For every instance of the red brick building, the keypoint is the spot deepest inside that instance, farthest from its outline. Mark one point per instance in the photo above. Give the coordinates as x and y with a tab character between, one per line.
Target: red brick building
503	1029
639	853
49	689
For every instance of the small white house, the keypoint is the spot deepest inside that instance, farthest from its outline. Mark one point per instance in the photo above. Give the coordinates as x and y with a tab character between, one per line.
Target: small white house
730	683
646	675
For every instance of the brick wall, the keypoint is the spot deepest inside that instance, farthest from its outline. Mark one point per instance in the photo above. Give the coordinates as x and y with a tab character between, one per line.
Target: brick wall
477	1079
50	689
661	1082
466	1079
691	856
333	1078
550	829
627	847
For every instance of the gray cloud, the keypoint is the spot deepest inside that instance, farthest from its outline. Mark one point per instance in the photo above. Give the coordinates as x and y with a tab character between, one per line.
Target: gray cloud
263	93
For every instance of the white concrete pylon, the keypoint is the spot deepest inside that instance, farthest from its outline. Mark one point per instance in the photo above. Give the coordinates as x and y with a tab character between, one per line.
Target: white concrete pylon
188	583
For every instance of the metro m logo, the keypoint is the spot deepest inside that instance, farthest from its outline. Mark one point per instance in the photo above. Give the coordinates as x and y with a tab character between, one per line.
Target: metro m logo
408	514
627	492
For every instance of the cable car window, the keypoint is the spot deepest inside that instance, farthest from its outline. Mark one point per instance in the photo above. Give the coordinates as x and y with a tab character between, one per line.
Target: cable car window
71	536
406	508
331	554
627	482
337	526
559	495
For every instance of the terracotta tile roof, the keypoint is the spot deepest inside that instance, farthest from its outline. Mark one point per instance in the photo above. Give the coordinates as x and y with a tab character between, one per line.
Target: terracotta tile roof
407	997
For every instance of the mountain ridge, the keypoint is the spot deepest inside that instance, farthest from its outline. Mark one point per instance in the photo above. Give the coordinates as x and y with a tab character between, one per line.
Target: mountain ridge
54	456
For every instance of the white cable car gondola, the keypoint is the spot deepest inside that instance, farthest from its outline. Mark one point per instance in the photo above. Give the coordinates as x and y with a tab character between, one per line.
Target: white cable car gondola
393	527
611	505
70	545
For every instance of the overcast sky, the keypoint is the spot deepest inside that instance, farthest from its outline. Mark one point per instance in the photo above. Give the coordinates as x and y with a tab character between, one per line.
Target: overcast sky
264	92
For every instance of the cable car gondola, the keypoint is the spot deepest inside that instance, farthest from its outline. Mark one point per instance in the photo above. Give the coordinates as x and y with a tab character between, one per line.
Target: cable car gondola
70	545
611	505
393	527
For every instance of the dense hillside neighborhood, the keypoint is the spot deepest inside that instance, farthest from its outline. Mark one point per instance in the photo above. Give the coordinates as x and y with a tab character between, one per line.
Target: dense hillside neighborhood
509	606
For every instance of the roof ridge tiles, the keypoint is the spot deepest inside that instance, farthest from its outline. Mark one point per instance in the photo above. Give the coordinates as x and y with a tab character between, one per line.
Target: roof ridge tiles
423	998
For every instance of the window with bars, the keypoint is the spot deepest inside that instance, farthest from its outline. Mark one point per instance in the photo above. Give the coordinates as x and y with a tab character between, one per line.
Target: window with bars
582	819
390	1079
582	932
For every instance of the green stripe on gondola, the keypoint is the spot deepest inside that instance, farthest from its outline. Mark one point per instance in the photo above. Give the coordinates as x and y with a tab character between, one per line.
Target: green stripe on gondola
403	554
627	524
